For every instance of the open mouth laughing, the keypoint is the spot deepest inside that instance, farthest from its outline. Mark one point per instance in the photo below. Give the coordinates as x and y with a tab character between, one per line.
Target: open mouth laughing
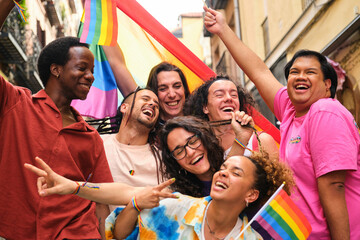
197	159
221	185
301	87
148	111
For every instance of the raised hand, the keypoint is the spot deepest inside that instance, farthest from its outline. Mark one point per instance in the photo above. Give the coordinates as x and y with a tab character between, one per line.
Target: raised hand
240	122
151	196
214	21
49	182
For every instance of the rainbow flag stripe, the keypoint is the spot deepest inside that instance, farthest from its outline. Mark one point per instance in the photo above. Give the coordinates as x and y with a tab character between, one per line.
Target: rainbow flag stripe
103	92
100	24
20	10
283	219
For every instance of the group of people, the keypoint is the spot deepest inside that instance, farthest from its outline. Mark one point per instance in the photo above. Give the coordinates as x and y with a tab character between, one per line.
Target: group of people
201	145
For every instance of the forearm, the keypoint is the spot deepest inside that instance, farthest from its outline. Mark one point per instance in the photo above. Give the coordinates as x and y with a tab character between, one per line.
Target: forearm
332	198
124	80
125	222
107	193
237	149
254	67
102	211
6	7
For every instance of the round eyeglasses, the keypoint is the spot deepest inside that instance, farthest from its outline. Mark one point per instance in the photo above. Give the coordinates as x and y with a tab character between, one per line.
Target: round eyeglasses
180	151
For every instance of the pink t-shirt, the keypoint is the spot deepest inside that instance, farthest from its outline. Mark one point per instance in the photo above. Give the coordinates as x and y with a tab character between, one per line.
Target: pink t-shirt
324	140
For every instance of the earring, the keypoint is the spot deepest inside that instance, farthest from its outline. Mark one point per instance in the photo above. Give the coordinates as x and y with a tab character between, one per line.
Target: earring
57	76
247	203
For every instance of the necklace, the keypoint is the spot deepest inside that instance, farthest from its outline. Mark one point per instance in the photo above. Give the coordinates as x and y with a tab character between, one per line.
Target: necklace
211	231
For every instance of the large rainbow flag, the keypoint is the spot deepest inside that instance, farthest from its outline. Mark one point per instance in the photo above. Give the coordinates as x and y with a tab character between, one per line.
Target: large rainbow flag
99	23
282	219
145	43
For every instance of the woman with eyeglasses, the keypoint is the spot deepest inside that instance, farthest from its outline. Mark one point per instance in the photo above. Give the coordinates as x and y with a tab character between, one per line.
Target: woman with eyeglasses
191	153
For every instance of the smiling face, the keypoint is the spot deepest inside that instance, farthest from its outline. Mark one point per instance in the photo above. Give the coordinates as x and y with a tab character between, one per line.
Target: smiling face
146	108
171	94
306	84
196	160
76	76
222	100
234	181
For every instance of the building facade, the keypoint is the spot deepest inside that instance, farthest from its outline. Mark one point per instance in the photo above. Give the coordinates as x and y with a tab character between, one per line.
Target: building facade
276	29
190	33
21	43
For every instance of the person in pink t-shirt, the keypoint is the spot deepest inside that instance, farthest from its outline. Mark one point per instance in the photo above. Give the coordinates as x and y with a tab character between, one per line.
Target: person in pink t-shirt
319	137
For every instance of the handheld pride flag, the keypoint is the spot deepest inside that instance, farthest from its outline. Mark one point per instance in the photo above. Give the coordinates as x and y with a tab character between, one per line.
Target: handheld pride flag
281	218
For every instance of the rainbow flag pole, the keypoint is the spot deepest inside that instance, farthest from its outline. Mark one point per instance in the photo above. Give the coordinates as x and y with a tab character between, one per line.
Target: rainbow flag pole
281	218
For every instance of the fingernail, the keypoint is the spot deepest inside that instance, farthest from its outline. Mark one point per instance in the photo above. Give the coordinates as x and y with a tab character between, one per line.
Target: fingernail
173	179
42	193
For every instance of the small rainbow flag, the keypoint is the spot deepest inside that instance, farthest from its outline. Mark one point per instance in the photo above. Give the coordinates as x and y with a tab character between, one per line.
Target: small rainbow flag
281	218
99	23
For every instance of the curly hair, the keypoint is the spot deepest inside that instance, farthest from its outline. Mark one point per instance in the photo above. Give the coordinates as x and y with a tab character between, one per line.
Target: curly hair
186	182
269	175
199	99
56	52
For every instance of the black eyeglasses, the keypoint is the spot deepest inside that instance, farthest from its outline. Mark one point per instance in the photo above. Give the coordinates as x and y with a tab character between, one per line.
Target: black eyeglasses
180	152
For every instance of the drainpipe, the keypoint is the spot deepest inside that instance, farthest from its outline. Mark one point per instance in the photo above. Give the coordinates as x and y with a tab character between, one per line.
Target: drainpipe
239	72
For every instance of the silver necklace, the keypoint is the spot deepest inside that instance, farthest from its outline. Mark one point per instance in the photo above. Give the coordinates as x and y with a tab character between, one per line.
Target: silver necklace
211	231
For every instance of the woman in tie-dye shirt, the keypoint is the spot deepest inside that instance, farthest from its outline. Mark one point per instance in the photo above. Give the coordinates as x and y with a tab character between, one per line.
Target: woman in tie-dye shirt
241	183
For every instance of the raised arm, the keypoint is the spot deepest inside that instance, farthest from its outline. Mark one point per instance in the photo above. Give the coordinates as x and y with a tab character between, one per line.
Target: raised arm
247	60
124	80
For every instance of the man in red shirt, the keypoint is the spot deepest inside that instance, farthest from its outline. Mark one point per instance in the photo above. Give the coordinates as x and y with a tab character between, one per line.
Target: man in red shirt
45	125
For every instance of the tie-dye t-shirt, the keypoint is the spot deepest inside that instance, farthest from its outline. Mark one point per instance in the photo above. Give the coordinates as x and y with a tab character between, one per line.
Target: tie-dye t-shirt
174	219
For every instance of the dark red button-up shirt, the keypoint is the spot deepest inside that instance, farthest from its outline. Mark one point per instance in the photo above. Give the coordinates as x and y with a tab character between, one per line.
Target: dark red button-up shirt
30	126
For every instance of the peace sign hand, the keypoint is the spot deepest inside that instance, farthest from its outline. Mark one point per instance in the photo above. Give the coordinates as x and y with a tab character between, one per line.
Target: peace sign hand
49	182
151	196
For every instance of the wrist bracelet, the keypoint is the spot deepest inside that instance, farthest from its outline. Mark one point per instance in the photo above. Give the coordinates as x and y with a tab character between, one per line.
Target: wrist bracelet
242	145
77	189
135	205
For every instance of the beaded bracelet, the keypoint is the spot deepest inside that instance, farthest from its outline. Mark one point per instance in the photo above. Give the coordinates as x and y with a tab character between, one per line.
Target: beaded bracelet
77	189
135	205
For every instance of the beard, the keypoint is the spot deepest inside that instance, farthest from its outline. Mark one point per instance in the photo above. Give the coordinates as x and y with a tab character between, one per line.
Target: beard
148	124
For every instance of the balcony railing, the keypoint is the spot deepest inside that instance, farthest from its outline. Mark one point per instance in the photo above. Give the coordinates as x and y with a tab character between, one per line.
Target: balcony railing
12	40
20	46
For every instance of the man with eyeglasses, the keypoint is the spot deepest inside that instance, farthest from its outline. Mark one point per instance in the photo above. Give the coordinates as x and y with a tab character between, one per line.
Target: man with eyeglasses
131	153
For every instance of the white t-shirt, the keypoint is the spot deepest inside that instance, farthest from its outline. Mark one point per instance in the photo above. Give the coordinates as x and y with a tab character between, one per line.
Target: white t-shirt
131	164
